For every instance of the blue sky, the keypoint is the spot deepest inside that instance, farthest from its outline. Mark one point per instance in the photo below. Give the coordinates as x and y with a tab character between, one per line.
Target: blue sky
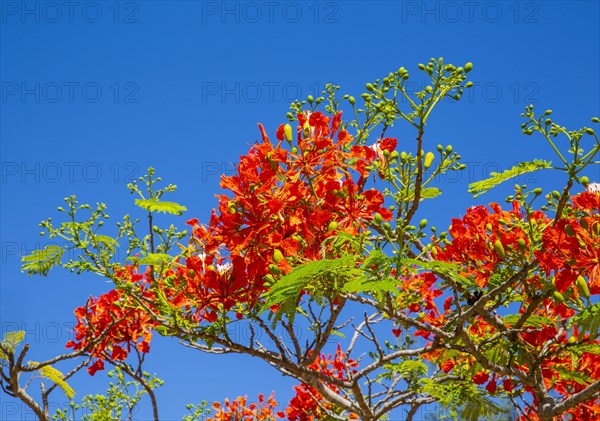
93	93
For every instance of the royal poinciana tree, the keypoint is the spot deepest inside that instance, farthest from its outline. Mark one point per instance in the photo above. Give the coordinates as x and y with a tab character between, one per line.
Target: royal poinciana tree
318	249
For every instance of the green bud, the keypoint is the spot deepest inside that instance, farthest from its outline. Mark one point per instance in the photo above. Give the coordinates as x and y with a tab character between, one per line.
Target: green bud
332	226
274	269
547	112
366	97
583	287
295	150
468	84
462	166
448	149
421	66
440	148
428	160
595	120
522	244
537	191
394	155
585	180
569	230
310	99
423	223
548	122
556	194
277	256
468	67
370	87
459	70
287	131
403	156
589	131
352	100
378	218
558	296
499	249
289	116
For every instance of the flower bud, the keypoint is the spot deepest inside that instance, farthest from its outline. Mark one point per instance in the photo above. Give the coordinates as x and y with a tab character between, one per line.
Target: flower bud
522	244
287	132
499	249
352	100
394	156
595	120
332	226
583	287
468	67
589	131
537	191
423	223
558	296
585	180
277	256
448	149
310	99
378	218
428	160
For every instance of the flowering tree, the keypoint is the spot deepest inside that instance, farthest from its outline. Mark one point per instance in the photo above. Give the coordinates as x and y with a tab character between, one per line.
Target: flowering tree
319	231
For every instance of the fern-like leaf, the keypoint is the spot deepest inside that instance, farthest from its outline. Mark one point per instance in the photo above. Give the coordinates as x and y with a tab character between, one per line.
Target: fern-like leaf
588	320
483	186
156	259
39	262
57	377
153	205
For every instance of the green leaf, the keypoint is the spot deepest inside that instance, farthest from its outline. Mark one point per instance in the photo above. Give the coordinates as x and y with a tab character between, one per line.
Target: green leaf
536	321
588	320
154	205
360	284
449	270
13	339
426	193
108	241
576	376
286	291
39	262
480	187
10	341
57	377
156	259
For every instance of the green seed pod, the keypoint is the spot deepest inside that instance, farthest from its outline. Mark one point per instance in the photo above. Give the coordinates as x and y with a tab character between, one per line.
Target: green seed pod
468	67
499	249
287	132
558	296
423	223
277	256
428	160
332	226
583	287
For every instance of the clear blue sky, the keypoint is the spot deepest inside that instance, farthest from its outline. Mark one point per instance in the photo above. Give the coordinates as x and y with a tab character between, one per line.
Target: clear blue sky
95	92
